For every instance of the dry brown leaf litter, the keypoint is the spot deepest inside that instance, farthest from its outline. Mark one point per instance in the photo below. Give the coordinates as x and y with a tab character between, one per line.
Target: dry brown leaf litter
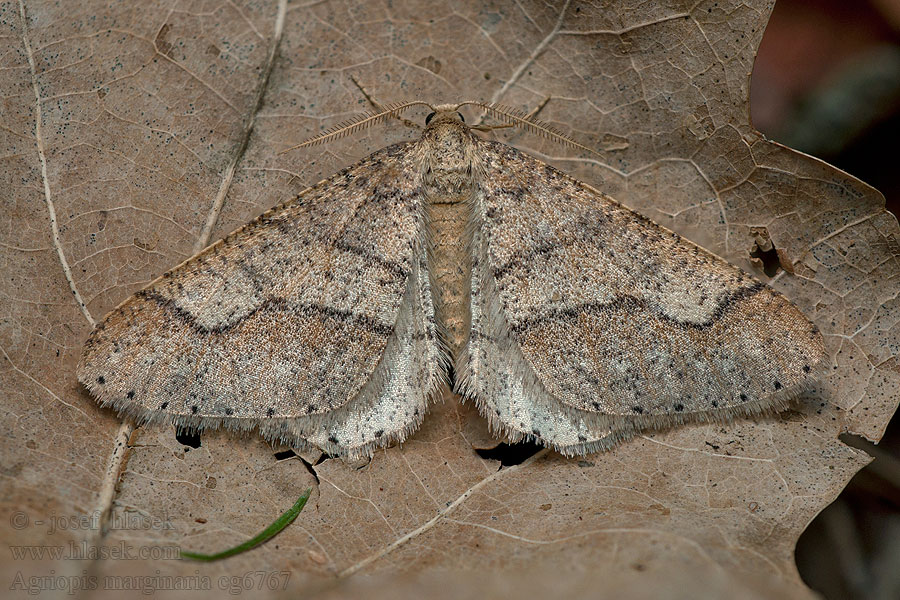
142	111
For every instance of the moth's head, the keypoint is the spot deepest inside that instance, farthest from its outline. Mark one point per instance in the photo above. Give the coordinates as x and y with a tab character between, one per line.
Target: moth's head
444	113
446	127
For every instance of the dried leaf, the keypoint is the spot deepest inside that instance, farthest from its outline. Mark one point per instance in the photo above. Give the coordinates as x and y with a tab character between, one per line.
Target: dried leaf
134	134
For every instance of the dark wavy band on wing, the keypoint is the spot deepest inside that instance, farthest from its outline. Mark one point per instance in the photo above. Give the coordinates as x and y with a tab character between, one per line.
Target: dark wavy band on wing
396	269
271	305
636	306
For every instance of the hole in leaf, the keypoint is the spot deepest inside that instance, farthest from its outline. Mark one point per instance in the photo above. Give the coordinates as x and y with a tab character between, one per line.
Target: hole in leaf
764	256
511	454
188	438
311	467
768	259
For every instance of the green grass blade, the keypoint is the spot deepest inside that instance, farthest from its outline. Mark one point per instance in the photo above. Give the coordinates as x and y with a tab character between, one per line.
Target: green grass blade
266	534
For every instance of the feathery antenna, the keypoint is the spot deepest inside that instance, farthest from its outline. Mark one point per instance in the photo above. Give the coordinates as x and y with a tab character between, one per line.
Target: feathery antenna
356	124
516	117
509	115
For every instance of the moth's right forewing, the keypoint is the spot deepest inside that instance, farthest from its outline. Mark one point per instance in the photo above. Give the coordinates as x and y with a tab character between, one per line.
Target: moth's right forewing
288	317
505	386
602	323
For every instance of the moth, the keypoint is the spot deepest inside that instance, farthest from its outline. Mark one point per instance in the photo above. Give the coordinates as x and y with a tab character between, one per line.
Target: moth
332	320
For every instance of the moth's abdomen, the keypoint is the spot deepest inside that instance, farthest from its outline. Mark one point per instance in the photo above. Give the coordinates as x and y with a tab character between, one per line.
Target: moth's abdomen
450	268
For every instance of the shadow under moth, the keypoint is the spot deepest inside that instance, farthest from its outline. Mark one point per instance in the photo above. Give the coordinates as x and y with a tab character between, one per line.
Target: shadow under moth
332	320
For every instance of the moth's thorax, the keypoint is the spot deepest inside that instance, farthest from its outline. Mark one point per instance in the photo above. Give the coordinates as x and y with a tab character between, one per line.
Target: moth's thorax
448	155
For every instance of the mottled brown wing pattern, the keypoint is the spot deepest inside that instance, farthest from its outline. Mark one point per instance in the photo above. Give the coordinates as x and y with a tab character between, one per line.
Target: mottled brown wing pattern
291	315
569	319
393	402
612	323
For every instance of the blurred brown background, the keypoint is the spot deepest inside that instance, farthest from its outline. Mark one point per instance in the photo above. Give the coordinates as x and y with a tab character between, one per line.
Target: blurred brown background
827	82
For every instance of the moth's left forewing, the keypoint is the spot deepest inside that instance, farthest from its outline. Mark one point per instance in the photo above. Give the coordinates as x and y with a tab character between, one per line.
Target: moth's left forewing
313	323
394	401
591	322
